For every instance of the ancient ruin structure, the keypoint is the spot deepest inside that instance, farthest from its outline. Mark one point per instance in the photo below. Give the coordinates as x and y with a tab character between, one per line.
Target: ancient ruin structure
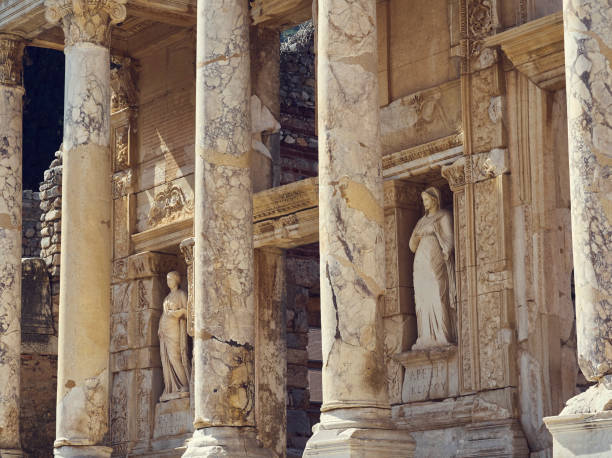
367	236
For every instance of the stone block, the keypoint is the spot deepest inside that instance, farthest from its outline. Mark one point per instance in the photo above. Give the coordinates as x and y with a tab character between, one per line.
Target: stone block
297	376
297	340
36	313
297	423
295	356
119	331
122	385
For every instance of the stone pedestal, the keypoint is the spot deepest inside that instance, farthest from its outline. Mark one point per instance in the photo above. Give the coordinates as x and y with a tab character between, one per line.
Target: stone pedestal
84	309
11	93
173	424
430	374
351	239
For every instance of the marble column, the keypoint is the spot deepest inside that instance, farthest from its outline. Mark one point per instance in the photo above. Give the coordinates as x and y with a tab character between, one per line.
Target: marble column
585	425
224	332
84	309
588	64
355	414
11	93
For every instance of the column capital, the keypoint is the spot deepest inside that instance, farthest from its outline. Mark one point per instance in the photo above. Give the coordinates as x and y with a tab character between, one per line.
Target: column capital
85	21
11	59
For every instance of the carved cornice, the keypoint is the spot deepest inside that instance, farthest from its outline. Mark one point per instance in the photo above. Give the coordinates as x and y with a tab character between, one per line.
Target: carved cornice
123	83
85	21
11	59
476	168
536	50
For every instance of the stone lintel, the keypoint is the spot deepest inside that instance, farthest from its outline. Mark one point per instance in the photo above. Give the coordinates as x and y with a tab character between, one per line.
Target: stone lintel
536	50
421	159
283	200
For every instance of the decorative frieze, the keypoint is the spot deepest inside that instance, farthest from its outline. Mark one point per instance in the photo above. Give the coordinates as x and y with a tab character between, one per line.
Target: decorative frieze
169	204
85	21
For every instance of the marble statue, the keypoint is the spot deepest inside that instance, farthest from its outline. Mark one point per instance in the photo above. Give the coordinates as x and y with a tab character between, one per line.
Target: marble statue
173	341
432	241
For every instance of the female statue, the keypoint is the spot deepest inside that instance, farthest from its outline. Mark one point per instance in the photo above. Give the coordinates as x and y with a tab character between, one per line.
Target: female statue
432	242
173	340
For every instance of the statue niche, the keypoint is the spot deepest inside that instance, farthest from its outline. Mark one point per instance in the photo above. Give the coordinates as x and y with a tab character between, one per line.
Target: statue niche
173	341
432	241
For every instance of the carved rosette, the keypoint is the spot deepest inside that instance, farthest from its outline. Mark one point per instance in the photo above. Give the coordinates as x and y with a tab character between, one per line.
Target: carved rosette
11	59
85	21
123	83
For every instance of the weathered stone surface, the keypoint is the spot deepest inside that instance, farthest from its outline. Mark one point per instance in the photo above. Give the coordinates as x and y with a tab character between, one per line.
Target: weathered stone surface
11	92
84	323
224	333
352	261
588	71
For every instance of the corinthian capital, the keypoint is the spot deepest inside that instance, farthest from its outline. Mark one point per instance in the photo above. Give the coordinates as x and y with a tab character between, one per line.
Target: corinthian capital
85	21
11	59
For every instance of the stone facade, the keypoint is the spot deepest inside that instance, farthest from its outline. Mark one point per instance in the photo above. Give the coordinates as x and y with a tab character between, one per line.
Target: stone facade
387	244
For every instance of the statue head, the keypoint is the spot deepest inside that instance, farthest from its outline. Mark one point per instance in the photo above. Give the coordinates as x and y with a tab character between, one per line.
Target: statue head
431	199
173	279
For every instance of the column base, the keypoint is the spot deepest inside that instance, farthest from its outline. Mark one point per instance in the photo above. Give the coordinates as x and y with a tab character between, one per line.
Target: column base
584	427
84	451
360	443
10	452
225	441
586	435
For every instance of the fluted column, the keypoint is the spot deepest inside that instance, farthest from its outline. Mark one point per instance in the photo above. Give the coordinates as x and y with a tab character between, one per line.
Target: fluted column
588	65
351	233
224	334
84	309
11	93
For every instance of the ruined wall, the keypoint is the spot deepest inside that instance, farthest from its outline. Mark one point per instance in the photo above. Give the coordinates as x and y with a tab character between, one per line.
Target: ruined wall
38	360
31	224
298	149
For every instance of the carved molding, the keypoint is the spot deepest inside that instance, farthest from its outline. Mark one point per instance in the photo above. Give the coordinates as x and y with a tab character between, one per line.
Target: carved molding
423	158
455	174
123	83
122	131
476	168
283	200
170	204
482	21
11	59
85	21
122	184
398	193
